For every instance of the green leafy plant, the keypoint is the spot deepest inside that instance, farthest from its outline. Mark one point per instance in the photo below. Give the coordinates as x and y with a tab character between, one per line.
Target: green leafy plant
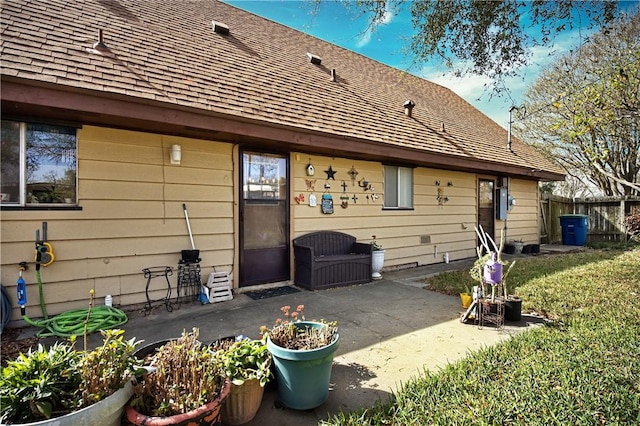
40	383
187	376
47	383
288	334
245	360
375	245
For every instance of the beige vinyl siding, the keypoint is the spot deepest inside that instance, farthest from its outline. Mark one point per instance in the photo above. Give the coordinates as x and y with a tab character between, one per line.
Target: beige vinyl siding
448	226
131	218
522	219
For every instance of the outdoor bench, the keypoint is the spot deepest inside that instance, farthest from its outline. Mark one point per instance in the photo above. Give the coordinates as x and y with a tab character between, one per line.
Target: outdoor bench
326	259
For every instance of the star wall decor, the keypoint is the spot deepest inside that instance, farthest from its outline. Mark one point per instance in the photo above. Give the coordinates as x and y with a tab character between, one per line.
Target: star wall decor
330	173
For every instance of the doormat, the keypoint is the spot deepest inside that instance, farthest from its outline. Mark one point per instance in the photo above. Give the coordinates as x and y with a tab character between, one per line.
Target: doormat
271	292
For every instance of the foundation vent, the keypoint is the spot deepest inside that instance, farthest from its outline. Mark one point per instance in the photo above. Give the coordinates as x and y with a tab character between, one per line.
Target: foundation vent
425	239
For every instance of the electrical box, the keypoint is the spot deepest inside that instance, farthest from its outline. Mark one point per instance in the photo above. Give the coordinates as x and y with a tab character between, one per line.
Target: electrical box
502	203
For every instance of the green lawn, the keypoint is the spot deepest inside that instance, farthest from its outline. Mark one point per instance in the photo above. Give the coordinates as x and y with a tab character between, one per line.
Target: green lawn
582	368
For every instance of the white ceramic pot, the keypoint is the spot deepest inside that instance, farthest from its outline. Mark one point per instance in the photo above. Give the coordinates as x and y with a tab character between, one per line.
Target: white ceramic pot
377	262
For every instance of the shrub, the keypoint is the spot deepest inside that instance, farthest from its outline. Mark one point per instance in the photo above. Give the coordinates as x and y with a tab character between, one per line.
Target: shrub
632	223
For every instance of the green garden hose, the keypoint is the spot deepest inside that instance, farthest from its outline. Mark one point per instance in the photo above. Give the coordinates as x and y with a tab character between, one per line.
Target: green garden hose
72	323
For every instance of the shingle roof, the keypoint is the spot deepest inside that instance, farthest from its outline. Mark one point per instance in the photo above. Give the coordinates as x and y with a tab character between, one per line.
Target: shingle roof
167	51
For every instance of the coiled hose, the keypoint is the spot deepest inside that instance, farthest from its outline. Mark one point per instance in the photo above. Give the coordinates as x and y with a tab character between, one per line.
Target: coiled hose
5	306
72	323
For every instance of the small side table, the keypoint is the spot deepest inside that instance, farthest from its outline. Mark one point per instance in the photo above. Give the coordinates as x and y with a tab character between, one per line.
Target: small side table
155	272
491	311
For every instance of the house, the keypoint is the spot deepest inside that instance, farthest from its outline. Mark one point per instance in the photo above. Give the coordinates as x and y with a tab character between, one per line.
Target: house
117	113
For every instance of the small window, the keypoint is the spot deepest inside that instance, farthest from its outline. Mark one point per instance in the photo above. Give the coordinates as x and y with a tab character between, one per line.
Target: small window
398	187
38	164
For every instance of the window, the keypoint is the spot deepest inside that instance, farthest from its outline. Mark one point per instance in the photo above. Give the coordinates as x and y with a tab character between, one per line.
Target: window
398	187
38	164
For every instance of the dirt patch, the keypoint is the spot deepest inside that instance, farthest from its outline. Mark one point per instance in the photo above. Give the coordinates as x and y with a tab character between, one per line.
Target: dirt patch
11	346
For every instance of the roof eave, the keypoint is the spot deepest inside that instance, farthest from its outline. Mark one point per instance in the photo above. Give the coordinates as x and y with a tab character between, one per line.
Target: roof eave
28	98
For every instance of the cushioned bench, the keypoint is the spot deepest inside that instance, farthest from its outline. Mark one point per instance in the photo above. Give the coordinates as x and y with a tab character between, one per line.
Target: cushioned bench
326	259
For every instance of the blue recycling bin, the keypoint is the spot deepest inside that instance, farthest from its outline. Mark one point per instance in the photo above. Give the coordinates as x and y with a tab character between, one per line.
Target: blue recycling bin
574	229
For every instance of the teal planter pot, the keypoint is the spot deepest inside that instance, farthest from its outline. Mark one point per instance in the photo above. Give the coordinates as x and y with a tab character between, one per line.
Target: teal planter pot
303	376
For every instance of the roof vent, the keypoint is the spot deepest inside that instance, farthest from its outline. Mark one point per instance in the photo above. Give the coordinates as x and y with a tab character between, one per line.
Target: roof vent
408	107
220	28
100	47
316	60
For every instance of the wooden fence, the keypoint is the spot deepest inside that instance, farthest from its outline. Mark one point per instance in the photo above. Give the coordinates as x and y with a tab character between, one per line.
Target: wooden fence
605	214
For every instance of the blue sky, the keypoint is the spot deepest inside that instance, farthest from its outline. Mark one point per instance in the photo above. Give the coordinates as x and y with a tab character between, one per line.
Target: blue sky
388	45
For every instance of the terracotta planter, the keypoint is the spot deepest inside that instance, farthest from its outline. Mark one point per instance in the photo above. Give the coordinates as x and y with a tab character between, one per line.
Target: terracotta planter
207	415
243	403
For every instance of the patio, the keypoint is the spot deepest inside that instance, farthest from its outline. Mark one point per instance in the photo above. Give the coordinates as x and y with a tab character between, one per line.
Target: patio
390	330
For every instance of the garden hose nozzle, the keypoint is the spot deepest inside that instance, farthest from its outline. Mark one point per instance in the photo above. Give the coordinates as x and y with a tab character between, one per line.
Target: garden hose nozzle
22	288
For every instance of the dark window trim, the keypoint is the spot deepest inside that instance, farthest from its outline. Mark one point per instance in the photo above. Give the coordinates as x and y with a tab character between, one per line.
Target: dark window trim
40	208
36	120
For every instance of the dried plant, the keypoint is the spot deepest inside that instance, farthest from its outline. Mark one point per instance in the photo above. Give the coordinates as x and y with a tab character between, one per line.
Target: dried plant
108	367
291	333
187	376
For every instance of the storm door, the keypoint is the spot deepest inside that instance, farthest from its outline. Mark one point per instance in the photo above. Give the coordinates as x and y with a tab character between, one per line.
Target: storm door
486	206
264	218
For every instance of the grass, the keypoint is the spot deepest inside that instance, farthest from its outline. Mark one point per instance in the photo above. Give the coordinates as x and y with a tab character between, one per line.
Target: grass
582	368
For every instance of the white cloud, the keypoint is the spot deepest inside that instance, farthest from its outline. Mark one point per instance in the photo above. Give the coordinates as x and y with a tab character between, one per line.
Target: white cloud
365	38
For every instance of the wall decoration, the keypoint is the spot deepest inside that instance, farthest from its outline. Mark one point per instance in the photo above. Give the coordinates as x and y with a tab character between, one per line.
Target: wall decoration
441	197
310	169
300	199
363	183
353	173
374	197
344	200
311	184
355	199
330	173
327	203
312	200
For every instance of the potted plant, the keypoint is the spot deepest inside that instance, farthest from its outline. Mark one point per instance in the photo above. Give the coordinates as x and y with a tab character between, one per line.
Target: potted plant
302	354
377	259
512	303
64	386
185	385
247	365
466	298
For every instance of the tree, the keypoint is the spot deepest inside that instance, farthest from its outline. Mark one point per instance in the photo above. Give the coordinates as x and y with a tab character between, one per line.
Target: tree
584	110
489	38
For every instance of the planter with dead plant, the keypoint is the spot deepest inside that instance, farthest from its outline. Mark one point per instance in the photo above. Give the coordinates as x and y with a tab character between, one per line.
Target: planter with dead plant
186	384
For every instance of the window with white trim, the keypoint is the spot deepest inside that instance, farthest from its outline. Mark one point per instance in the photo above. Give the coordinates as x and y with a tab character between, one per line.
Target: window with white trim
398	187
38	164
